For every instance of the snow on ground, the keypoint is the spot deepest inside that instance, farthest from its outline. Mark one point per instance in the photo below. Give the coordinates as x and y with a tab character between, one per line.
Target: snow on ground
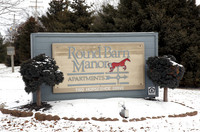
12	94
12	87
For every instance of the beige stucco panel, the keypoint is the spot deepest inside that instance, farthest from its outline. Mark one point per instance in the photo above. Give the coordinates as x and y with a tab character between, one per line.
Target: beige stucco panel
86	66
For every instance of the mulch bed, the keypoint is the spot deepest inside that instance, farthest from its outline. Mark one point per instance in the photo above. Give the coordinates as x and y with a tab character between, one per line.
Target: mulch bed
33	106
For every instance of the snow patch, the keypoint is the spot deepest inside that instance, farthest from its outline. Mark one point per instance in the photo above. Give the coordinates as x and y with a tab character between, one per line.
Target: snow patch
12	94
174	63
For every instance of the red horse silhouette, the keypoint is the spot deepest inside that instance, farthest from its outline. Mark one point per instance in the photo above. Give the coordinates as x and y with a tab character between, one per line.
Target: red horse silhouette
117	64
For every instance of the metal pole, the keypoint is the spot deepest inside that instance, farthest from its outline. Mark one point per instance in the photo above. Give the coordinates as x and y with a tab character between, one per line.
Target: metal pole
12	56
36	15
12	63
14	22
36	8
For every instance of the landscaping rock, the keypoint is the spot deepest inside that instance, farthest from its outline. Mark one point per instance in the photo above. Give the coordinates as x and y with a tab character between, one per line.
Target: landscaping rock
86	119
65	118
55	118
48	117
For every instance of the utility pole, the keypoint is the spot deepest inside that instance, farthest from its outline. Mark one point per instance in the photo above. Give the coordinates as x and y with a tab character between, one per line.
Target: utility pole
36	8
14	29
36	14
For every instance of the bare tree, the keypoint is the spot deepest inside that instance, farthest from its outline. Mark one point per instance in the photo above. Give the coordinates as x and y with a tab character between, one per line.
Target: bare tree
12	13
9	6
8	10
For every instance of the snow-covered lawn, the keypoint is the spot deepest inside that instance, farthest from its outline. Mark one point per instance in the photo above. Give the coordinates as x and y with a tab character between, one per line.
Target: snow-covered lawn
181	101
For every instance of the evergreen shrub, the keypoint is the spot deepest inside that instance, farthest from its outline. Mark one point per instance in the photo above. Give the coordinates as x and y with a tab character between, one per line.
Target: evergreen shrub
40	70
164	71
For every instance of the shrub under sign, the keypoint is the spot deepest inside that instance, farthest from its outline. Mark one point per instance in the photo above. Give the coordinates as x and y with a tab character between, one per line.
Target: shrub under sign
40	70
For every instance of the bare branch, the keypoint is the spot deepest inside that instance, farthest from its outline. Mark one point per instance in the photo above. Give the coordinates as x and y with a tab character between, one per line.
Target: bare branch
9	6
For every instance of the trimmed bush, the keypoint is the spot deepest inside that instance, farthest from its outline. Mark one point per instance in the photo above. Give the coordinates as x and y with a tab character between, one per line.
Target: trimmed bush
165	72
40	70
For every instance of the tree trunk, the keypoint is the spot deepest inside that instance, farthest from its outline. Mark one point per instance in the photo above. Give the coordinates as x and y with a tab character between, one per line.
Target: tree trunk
165	95
38	94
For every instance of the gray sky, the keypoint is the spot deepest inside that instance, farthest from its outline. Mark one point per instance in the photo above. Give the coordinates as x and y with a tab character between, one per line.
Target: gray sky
22	15
197	2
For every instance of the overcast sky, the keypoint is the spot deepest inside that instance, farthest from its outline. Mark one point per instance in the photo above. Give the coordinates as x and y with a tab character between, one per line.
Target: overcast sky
198	2
22	15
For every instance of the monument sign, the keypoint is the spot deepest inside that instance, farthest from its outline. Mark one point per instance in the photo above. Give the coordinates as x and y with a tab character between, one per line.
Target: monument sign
98	65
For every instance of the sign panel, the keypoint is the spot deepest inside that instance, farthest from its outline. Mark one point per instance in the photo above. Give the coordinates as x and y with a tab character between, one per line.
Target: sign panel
10	50
90	67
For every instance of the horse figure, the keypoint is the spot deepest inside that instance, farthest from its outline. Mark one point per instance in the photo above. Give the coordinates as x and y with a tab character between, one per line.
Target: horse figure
117	64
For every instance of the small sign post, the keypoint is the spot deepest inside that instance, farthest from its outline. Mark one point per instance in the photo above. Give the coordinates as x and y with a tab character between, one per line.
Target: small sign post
11	52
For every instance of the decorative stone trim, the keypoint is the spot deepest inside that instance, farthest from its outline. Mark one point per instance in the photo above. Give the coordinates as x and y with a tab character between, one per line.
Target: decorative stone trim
17	113
43	117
